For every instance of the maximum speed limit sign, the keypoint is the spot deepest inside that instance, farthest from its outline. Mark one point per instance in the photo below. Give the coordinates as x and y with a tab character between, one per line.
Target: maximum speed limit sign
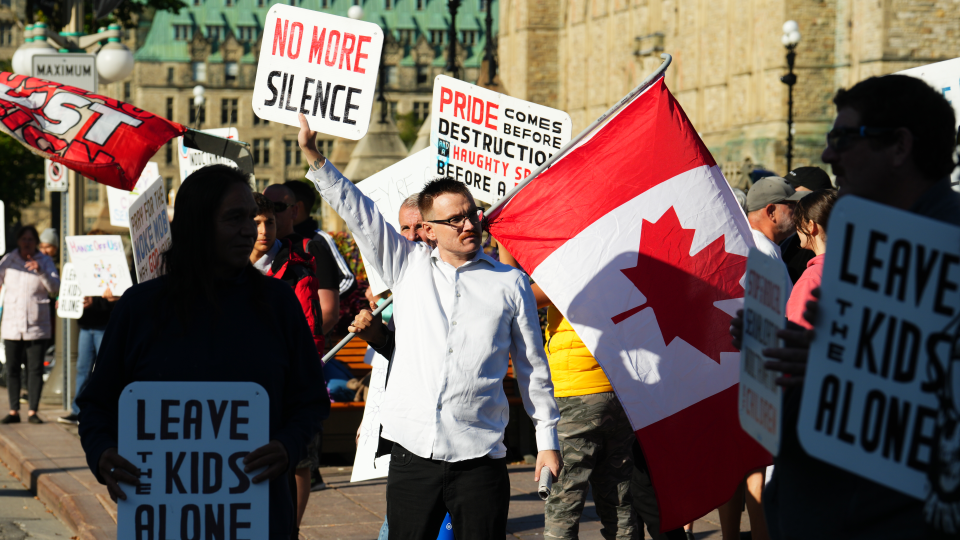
56	176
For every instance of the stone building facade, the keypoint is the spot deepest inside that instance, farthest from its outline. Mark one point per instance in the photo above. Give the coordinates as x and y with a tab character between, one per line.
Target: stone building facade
582	56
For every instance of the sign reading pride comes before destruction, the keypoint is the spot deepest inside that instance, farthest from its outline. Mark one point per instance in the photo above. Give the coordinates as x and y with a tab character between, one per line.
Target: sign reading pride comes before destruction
189	439
764	305
318	64
891	287
491	141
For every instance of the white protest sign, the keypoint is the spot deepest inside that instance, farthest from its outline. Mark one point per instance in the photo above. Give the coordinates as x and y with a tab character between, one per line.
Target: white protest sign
491	141
149	231
70	302
191	159
189	439
764	308
100	264
945	78
891	284
55	176
119	200
389	188
318	64
366	464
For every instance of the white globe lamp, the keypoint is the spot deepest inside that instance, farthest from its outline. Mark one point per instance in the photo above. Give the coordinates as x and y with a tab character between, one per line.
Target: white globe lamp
198	98
40	45
17	60
114	61
355	12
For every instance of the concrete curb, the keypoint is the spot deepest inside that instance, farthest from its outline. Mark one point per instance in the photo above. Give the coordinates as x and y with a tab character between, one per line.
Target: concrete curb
60	480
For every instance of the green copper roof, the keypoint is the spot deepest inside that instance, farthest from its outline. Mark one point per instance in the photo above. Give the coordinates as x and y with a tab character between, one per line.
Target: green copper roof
168	39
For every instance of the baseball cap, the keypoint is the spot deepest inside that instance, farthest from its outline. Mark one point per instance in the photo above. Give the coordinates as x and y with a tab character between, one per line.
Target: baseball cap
771	190
812	178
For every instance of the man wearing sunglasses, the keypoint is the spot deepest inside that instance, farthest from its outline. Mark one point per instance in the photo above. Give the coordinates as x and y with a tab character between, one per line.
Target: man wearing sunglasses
893	142
460	317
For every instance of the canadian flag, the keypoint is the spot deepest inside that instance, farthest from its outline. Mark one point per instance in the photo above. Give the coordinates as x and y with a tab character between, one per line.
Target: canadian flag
638	240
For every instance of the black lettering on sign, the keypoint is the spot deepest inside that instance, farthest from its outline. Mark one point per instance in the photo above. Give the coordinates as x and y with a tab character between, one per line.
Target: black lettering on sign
896	430
921	440
845	274
872	417
213	524
212	472
235	522
216	415
944	285
166	419
236	420
173	472
142	434
872	260
189	513
924	270
827	404
842	432
243	481
194	472
192	416
272	88
143	522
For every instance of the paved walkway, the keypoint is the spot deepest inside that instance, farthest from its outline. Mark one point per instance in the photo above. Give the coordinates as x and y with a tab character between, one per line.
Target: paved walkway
49	461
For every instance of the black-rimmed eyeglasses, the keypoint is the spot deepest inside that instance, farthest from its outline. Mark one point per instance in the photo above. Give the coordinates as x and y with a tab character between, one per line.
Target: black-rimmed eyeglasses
457	221
842	138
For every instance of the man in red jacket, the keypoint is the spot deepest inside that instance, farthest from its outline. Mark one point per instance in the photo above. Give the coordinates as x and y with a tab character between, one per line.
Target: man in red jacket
279	259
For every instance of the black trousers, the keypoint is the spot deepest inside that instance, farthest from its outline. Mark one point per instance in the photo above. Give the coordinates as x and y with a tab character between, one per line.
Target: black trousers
645	500
31	354
421	491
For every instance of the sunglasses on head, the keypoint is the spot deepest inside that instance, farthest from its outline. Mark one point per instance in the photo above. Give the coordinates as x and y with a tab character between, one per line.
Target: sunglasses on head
842	138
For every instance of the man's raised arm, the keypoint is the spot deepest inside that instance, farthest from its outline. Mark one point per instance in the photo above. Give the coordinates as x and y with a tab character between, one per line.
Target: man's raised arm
383	247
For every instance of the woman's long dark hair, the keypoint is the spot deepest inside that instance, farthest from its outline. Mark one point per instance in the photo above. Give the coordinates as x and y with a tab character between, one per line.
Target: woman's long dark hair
189	262
815	207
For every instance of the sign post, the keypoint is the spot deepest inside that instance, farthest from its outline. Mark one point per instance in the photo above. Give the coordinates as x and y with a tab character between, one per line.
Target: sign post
320	65
55	176
891	285
491	141
764	308
189	439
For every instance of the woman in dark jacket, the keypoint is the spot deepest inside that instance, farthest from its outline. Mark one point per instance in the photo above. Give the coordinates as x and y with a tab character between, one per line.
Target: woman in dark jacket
211	317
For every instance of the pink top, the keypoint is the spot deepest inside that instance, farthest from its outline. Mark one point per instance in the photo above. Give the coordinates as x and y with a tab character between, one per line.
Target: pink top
809	281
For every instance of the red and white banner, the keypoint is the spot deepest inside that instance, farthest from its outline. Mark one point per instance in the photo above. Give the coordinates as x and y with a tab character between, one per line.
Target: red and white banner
99	137
637	238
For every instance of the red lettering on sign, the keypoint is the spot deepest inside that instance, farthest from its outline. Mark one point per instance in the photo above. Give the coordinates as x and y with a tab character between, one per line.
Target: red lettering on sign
332	47
280	37
347	50
316	45
459	104
290	53
477	108
490	116
356	65
446	97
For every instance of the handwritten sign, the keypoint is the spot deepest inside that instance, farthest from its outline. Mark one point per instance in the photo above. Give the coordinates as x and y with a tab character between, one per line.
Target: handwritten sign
119	200
491	141
891	285
70	302
764	308
318	64
190	159
389	188
149	231
366	464
100	263
189	439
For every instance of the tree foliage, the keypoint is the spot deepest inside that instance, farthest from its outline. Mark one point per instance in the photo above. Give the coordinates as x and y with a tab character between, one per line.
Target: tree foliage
20	177
128	13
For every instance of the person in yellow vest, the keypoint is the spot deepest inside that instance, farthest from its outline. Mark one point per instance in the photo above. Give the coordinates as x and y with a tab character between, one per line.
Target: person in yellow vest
596	439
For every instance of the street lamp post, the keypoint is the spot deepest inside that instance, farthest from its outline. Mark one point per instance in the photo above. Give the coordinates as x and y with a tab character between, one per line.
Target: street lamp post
454	6
790	39
488	53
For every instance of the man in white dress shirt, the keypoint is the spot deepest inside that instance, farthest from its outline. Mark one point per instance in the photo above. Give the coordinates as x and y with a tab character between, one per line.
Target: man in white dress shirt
459	314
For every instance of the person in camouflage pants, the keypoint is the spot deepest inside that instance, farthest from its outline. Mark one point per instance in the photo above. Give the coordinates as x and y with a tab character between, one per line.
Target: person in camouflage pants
596	441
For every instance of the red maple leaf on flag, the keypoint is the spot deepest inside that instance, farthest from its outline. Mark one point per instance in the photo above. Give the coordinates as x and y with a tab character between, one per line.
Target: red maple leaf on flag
682	288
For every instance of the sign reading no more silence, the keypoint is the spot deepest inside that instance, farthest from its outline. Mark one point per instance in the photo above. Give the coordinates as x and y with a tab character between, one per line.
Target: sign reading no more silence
189	439
891	285
318	64
491	141
764	306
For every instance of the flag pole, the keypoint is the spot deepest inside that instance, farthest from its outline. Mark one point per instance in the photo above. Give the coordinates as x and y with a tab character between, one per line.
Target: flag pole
573	142
346	339
583	134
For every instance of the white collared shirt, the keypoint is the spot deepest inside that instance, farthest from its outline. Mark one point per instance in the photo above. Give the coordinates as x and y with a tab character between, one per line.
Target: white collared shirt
455	329
767	247
264	263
